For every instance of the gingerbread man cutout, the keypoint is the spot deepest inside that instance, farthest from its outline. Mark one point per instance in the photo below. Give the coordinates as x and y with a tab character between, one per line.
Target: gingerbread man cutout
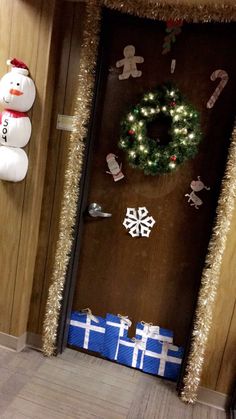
129	63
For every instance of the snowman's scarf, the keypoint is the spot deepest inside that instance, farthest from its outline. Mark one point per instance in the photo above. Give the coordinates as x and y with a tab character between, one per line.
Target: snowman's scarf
12	114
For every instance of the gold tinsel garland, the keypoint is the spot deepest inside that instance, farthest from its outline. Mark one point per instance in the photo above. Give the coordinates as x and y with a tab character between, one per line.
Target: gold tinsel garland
73	173
210	278
200	11
220	12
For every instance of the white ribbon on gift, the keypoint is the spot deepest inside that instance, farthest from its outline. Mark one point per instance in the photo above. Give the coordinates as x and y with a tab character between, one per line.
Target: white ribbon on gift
124	324
150	331
137	345
87	326
125	320
89	313
164	357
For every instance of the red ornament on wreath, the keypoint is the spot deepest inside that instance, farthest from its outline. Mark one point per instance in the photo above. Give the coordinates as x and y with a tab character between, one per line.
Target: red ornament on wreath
173	158
172	104
131	132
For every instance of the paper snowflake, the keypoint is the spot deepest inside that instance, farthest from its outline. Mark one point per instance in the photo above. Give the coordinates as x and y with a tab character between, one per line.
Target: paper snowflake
138	222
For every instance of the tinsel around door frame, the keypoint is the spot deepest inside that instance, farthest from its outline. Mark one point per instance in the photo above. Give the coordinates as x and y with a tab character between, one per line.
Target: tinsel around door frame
204	12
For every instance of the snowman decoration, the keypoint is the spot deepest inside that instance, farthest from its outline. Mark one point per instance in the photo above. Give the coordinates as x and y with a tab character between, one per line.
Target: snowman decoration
17	95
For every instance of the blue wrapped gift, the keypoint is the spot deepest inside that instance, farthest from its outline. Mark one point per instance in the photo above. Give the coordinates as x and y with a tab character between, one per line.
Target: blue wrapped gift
87	331
162	358
131	352
116	327
147	330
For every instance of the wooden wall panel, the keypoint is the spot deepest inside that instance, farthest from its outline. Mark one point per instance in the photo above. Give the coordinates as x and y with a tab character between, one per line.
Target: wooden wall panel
6	9
35	180
9	234
68	109
227	376
44	251
70	41
12	195
220	363
25	47
26	28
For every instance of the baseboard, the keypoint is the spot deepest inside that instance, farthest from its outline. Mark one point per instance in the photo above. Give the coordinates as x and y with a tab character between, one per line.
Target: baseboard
212	398
34	341
13	342
17	344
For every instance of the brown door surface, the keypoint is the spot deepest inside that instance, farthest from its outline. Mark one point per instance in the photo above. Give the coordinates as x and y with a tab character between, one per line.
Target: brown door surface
155	279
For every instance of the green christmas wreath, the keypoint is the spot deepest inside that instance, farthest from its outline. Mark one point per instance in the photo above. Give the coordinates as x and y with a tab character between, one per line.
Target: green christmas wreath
147	153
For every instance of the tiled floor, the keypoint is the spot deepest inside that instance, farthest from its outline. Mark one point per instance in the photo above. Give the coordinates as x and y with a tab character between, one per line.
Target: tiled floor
76	385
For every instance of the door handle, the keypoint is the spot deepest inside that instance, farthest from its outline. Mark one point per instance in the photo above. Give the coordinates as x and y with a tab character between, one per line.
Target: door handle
95	210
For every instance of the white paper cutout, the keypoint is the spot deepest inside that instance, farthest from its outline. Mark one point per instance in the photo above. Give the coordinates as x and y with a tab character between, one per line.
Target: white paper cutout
196	186
114	168
138	222
129	63
172	66
223	75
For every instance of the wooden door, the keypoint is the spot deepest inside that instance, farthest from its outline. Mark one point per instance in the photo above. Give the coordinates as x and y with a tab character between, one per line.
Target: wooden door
154	279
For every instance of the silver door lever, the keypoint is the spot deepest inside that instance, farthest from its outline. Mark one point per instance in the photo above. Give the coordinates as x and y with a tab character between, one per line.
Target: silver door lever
95	210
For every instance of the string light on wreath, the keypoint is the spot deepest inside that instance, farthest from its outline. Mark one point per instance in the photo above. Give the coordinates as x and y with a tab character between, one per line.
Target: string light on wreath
147	153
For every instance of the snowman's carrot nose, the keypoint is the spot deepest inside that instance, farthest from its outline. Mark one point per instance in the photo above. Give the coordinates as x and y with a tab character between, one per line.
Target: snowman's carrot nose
16	92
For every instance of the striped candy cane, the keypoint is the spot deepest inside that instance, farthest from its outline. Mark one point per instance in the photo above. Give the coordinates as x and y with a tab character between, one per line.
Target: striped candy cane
223	75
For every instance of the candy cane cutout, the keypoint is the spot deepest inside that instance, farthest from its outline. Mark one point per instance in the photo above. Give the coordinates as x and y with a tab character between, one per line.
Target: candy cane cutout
223	75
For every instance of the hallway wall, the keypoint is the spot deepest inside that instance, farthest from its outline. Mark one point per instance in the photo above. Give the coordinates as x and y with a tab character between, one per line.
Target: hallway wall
26	32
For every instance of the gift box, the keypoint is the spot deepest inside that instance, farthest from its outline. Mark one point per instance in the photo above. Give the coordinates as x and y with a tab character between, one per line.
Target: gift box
162	358
116	327
146	330
87	331
131	352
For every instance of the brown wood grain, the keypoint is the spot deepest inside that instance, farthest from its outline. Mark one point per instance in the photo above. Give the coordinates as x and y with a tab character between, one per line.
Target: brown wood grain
220	363
227	376
49	185
26	32
27	49
10	202
155	279
68	107
12	195
70	41
45	62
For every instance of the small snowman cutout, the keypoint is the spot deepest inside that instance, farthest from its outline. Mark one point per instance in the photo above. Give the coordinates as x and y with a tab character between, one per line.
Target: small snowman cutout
129	63
196	186
17	95
114	168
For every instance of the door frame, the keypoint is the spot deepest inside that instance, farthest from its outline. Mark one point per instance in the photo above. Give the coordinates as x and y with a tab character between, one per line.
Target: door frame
71	275
189	378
